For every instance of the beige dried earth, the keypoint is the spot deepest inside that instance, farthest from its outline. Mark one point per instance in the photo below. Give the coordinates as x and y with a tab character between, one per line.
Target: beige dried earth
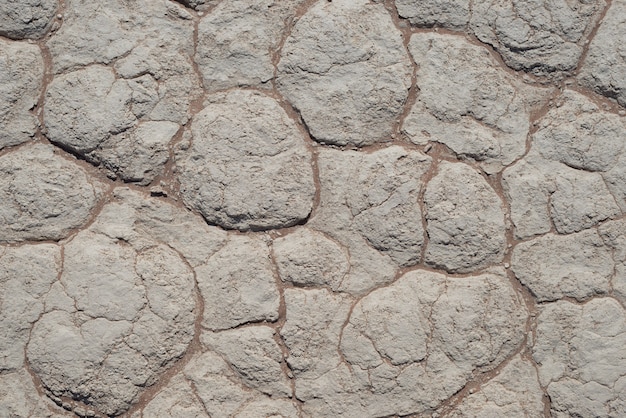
312	208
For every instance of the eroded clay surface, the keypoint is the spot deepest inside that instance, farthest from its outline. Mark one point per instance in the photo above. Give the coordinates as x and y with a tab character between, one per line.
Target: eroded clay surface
603	67
39	185
237	40
514	392
312	208
345	69
369	205
243	170
464	218
450	14
580	354
28	19
120	94
21	76
132	314
404	348
541	37
571	177
482	112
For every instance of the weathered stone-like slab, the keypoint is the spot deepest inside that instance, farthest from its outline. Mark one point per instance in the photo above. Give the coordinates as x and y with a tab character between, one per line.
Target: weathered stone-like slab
238	285
123	307
555	266
21	76
482	112
133	314
404	348
542	37
369	203
43	195
581	358
26	276
604	67
345	69
309	258
124	115
26	19
464	220
515	392
224	394
247	166
449	14
571	178
237	40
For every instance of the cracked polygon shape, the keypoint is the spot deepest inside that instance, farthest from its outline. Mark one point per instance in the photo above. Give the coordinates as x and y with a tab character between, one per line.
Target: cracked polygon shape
346	70
122	116
68	358
141	154
528	193
580	353
21	76
406	347
142	39
19	397
544	192
382	197
133	315
166	276
542	37
236	41
554	266
254	355
26	275
369	203
86	107
399	335
371	226
309	258
132	217
449	14
604	67
43	195
479	321
571	398
464	220
615	180
612	233
99	273
142	36
576	132
482	112
26	19
248	166
215	384
91	33
580	200
92	113
175	400
238	285
165	59
573	174
311	332
224	395
513	393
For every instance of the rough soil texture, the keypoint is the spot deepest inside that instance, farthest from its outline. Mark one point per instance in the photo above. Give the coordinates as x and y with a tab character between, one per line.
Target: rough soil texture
301	208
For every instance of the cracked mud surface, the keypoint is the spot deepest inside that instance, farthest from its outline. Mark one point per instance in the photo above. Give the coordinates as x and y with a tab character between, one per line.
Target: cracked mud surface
301	208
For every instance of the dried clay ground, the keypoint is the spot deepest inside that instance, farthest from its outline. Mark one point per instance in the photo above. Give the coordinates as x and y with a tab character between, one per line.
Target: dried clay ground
297	208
